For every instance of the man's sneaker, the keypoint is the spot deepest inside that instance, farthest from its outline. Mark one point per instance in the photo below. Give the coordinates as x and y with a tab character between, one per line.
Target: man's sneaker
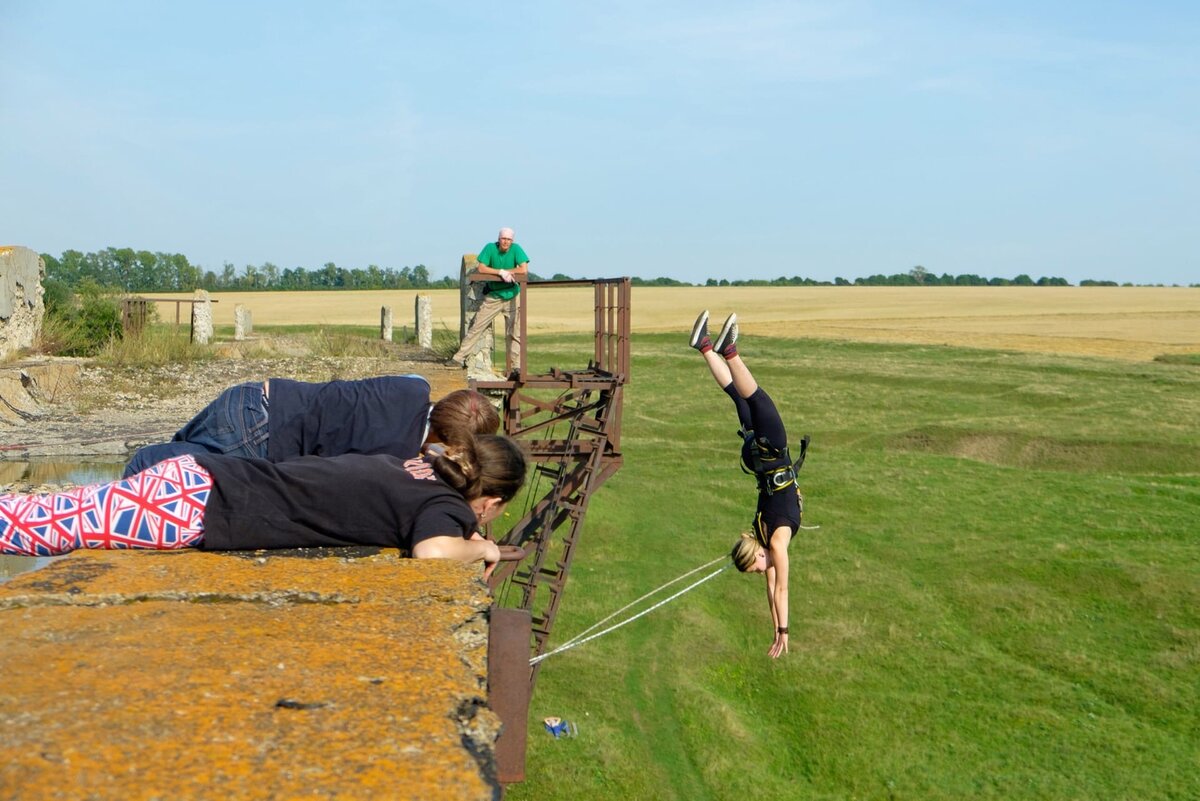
699	331
453	362
725	340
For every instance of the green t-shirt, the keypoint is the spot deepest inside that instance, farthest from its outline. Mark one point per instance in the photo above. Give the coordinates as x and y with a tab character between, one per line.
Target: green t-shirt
491	256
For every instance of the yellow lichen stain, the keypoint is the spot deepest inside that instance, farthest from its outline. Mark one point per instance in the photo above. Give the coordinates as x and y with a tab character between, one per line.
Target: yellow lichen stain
256	691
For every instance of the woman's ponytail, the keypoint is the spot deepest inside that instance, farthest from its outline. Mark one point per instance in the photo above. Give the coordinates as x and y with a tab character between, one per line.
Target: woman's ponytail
490	465
456	465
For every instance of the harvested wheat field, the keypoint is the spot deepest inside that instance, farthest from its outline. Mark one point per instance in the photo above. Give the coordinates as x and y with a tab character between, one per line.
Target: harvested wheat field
1132	323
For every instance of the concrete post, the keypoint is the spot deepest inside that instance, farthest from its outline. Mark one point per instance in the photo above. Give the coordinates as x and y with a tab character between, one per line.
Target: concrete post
243	325
471	296
424	322
385	323
21	306
202	319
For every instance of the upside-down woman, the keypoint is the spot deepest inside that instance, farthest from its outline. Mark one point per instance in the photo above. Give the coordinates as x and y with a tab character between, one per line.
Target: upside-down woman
765	454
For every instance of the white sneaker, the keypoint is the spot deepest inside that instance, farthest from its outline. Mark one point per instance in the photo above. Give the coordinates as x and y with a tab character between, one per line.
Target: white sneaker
699	330
728	335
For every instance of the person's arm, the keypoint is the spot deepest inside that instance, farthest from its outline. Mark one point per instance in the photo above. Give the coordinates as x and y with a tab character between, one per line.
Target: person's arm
770	576
779	589
507	276
451	546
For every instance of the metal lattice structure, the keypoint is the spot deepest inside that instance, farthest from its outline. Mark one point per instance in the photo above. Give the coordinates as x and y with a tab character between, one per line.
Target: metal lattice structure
569	422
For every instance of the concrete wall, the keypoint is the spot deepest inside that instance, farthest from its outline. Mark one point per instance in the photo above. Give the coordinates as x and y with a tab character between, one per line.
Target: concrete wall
21	307
348	675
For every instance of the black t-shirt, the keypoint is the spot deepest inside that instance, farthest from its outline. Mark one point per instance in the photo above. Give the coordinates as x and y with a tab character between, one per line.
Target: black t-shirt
388	414
328	502
779	509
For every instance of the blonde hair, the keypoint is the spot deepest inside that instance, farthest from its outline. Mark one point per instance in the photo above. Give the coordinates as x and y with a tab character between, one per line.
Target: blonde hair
744	552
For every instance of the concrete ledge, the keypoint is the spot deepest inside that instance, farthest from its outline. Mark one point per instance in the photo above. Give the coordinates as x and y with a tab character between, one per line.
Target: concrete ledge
144	675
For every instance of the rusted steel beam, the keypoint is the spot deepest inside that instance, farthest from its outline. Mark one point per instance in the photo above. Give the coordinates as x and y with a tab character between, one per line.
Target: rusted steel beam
509	688
576	465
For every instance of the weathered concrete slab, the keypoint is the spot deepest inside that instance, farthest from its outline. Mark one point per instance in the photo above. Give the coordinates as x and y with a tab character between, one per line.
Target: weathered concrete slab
29	387
21	303
237	676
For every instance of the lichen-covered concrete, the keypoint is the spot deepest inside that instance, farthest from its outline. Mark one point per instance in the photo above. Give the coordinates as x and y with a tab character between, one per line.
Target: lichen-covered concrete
195	675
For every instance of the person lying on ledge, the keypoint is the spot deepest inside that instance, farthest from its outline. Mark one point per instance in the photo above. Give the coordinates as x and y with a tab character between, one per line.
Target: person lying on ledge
430	506
280	419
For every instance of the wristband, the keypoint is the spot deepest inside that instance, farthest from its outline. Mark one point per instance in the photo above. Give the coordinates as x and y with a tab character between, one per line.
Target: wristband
781	630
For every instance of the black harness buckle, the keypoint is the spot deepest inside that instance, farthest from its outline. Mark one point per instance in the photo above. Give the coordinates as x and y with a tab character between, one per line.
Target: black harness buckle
772	480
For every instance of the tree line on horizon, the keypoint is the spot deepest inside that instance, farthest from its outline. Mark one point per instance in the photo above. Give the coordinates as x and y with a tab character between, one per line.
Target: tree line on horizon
143	271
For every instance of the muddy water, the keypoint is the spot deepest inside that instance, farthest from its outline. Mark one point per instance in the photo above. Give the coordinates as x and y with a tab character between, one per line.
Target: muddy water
52	473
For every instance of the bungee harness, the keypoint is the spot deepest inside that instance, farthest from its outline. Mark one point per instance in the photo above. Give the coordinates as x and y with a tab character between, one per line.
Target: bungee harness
755	457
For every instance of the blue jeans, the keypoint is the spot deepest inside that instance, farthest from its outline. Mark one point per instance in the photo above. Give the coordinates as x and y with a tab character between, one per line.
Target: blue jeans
234	424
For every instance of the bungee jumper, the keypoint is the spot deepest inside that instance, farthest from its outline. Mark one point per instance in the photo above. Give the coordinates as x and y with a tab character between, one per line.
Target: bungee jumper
765	455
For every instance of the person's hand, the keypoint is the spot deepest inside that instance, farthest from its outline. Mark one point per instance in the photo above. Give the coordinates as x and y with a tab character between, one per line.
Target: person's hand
507	276
779	647
491	558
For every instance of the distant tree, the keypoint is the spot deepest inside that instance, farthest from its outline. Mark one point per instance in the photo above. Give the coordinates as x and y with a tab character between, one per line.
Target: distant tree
53	265
662	281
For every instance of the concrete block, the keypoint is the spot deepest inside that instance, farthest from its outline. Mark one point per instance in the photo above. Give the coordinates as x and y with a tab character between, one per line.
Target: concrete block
21	307
385	323
337	674
202	318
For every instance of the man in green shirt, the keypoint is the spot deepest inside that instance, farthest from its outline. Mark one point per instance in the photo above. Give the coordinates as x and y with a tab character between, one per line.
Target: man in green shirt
506	260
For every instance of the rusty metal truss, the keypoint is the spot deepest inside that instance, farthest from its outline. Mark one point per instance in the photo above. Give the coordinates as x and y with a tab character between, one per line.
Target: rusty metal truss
569	422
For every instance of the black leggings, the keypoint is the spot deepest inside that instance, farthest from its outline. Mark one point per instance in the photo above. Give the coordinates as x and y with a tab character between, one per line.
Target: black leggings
758	414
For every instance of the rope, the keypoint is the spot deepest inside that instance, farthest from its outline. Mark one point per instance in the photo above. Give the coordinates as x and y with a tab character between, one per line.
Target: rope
600	623
579	639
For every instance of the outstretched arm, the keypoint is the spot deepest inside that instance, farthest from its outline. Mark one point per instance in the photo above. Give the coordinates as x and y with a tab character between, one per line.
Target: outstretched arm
777	581
455	547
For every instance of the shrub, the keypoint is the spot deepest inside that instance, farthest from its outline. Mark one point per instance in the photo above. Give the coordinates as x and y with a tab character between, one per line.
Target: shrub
80	323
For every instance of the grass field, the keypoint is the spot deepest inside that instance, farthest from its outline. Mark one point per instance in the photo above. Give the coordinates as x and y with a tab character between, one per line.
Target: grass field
1003	599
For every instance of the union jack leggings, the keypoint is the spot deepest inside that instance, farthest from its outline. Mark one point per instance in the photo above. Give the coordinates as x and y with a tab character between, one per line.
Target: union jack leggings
160	508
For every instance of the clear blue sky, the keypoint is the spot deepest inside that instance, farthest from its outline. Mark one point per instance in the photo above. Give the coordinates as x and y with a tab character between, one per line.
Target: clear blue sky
685	139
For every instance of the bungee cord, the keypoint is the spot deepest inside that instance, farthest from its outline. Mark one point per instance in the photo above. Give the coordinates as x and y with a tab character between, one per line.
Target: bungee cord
600	623
580	639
